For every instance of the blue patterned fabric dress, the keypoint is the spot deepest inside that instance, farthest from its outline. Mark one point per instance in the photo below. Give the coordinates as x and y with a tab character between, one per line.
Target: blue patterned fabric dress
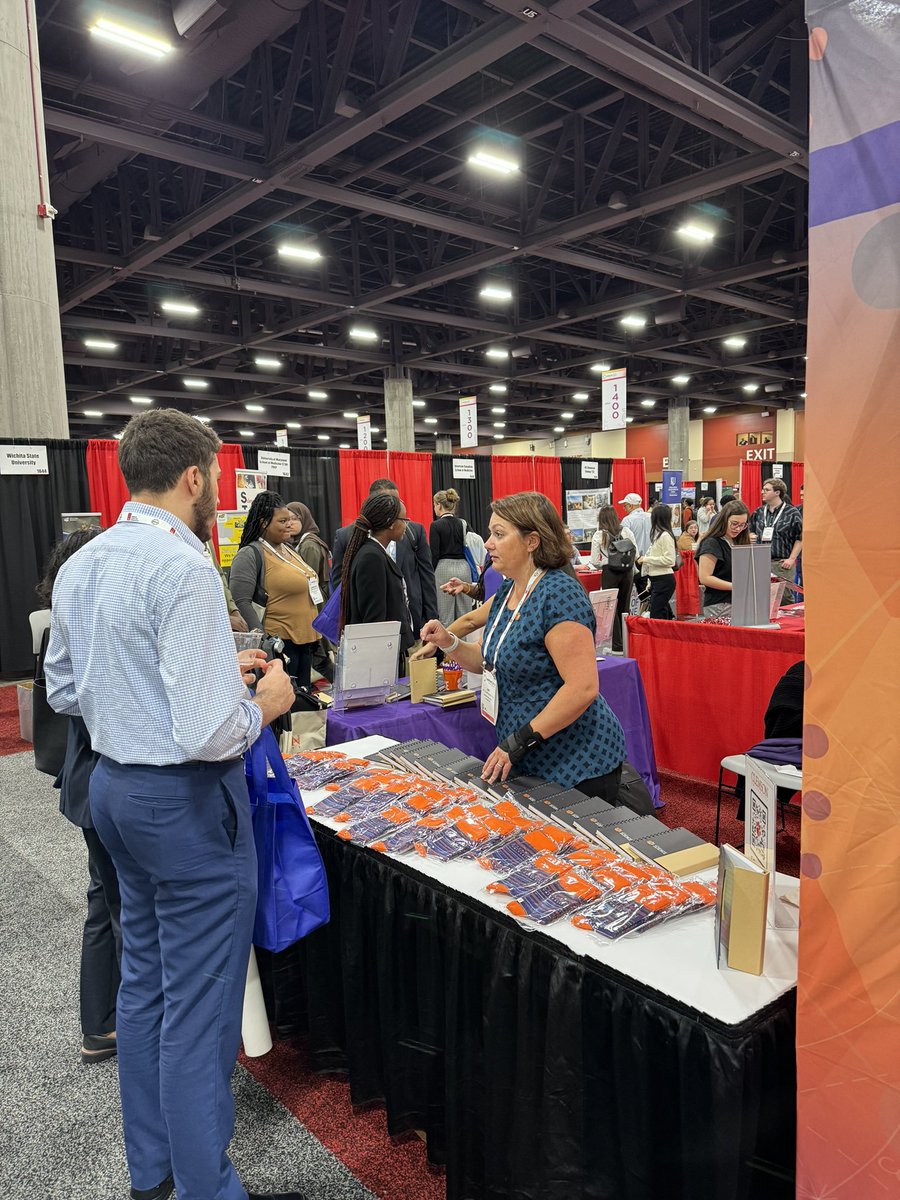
527	680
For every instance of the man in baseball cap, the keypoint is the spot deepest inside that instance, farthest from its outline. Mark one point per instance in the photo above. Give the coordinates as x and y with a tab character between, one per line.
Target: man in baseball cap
637	521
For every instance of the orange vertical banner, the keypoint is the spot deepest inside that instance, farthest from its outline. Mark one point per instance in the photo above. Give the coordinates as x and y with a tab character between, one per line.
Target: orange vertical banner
848	1011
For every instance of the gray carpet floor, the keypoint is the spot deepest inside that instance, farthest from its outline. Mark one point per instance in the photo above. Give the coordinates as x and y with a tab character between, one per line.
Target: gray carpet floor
60	1136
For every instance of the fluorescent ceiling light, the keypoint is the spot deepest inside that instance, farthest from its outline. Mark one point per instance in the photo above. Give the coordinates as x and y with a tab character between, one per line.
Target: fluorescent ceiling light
246	433
496	352
499	389
350	416
140	400
710	408
317	394
803	395
304	253
324	437
559	429
131	39
499	412
180	308
363	333
255	407
599	368
498	437
692	232
419	404
750	387
195	385
490	161
431	420
566	416
93	412
293	425
267	363
499	424
735	343
493	291
344	446
100	344
628	420
633	321
118	436
681	380
580	396
648	403
204	420
374	429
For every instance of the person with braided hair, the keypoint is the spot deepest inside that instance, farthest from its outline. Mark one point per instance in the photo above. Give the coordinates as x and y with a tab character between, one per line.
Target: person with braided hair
372	585
268	573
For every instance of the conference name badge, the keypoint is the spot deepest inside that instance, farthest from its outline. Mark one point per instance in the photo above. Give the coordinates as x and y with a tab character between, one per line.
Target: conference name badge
767	533
315	590
489	695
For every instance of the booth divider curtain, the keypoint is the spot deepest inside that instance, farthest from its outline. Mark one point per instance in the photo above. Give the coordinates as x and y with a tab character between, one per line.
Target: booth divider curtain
753	474
231	459
107	487
628	475
474	494
572	481
314	480
358	470
30	527
412	474
512	473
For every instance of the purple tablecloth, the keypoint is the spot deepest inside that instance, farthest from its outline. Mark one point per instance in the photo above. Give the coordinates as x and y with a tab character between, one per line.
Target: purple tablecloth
466	729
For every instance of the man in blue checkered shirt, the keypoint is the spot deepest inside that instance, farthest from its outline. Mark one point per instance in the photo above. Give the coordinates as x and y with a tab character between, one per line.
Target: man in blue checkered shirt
142	648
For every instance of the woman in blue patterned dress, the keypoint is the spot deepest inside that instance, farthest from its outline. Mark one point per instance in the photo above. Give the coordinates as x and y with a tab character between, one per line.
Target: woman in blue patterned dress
537	658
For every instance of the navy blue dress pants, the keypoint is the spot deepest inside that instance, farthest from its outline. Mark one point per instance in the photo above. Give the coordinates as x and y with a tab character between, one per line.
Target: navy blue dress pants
181	841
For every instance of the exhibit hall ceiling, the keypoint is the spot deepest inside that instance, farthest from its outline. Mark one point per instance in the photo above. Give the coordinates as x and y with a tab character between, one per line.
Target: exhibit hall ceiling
266	208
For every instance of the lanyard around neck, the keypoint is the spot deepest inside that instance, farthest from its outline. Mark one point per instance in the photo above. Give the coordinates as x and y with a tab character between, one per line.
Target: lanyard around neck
781	509
529	588
146	519
299	565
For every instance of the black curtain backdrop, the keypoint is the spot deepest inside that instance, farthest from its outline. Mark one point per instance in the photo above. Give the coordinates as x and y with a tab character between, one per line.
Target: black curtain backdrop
533	1073
314	480
474	494
30	526
570	469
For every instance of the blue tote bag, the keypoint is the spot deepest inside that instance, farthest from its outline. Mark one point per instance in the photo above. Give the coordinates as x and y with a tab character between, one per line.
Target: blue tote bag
293	890
329	618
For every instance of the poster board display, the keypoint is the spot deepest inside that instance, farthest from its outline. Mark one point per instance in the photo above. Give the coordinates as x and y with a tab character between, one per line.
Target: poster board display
604	605
229	527
248	485
83	520
582	507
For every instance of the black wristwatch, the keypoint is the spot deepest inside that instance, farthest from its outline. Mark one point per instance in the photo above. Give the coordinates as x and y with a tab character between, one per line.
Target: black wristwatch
518	744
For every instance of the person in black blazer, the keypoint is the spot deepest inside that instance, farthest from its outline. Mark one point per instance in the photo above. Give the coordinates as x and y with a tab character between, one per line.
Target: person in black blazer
413	559
372	586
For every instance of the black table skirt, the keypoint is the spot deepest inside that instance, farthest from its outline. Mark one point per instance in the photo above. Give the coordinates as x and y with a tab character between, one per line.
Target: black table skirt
535	1074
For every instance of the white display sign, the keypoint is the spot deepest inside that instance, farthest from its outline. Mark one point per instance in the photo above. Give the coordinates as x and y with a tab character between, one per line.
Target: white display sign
248	485
468	421
274	463
364	433
464	468
23	460
281	437
590	470
613	391
778	470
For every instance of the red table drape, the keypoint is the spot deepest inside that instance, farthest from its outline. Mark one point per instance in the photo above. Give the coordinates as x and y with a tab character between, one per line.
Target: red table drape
628	475
106	486
411	473
687	586
511	473
681	661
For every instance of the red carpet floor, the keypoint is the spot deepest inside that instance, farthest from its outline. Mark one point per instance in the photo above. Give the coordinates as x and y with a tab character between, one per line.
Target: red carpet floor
392	1170
10	742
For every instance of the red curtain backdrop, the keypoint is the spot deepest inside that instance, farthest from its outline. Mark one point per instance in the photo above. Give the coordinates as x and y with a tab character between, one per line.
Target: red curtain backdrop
548	479
628	475
359	469
510	473
796	481
231	459
412	475
105	483
751	484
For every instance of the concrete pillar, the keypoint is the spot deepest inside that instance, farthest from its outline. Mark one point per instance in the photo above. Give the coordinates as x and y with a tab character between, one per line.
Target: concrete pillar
32	381
679	436
785	434
443	444
398	410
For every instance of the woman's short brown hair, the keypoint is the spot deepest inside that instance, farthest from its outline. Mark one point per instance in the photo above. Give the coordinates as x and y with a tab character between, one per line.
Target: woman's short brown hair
531	512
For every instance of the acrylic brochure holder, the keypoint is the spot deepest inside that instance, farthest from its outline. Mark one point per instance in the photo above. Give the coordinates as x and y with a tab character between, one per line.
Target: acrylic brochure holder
366	664
604	605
